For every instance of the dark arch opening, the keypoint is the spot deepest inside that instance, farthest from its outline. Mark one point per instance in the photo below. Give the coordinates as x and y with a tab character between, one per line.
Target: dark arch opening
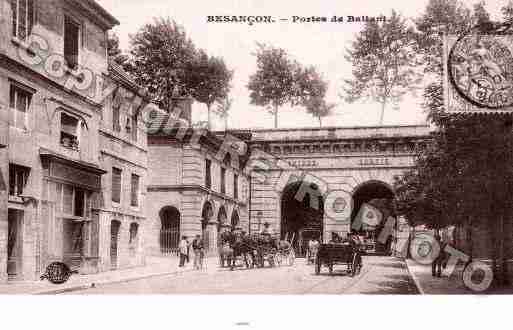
301	216
206	215
379	195
169	229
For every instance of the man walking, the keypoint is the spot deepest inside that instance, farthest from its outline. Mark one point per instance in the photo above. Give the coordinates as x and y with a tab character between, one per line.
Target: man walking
197	248
182	249
436	266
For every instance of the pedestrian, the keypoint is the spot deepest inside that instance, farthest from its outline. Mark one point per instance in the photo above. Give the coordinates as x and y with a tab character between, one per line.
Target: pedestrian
436	265
182	249
197	248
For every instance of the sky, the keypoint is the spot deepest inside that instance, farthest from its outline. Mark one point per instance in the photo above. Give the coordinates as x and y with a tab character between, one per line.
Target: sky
320	44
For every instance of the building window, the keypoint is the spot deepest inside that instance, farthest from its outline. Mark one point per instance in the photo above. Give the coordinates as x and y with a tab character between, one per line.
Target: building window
223	180
70	131
116	185
133	233
22	18
75	201
235	186
208	173
19	103
134	190
18	176
116	126
71	42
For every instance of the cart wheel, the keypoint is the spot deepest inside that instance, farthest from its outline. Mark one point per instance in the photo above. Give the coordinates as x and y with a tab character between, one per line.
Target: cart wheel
317	266
277	259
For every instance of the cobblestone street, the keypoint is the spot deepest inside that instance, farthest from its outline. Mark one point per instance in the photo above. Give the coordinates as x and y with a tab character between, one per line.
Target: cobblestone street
380	275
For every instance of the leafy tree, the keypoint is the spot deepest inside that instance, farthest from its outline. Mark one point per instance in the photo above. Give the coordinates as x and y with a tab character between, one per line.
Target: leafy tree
311	91
113	50
481	15
384	63
507	11
318	107
273	83
209	80
223	109
161	57
440	17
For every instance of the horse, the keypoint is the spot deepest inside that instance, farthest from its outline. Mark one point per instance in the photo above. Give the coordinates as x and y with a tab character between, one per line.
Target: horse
235	246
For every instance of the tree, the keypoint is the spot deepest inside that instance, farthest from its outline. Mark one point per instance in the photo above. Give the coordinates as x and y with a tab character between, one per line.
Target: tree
384	63
161	57
318	108
223	109
113	50
273	83
440	17
209	80
310	92
481	16
507	12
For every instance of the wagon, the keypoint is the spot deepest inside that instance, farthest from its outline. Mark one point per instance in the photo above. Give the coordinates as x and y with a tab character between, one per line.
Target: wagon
332	254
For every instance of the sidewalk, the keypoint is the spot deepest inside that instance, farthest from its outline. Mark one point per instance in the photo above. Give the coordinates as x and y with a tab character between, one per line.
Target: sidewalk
155	266
427	284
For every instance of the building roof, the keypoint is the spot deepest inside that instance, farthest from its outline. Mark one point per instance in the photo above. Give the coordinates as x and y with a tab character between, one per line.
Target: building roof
117	73
97	11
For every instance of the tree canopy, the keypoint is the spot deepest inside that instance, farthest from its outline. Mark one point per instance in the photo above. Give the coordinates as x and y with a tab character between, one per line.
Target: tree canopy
280	80
161	56
384	63
209	80
273	83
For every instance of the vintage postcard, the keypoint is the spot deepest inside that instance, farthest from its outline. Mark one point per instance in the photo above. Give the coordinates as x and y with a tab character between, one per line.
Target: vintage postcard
256	147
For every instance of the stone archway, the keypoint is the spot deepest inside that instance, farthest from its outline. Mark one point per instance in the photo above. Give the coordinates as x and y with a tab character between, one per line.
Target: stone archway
301	218
169	229
379	195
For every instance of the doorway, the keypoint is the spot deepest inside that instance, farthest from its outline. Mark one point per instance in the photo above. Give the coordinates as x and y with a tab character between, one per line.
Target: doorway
14	244
114	239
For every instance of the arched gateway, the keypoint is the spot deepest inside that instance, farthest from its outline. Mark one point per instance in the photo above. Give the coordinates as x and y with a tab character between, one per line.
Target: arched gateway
349	167
301	215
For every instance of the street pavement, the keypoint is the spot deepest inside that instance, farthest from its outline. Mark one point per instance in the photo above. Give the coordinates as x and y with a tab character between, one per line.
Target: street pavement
380	275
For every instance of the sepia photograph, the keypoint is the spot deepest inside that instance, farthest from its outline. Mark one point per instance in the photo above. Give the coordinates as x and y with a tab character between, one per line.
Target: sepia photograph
261	148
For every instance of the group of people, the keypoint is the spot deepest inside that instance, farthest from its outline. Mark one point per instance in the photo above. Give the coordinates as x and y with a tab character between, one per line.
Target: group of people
198	249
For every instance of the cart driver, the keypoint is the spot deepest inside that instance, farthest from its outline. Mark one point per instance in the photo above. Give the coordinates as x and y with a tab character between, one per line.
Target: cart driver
267	229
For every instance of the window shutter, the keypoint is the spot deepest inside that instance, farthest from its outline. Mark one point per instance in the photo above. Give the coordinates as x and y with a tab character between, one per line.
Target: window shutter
135	190
31	9
116	185
14	9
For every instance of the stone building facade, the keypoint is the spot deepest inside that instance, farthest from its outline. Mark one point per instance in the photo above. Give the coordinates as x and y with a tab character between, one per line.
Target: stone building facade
52	57
123	156
193	190
328	173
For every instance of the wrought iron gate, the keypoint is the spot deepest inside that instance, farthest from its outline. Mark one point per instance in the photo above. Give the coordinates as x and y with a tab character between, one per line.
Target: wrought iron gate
169	240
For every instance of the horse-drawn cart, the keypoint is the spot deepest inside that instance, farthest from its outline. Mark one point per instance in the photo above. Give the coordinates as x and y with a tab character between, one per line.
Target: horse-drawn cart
338	253
256	250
